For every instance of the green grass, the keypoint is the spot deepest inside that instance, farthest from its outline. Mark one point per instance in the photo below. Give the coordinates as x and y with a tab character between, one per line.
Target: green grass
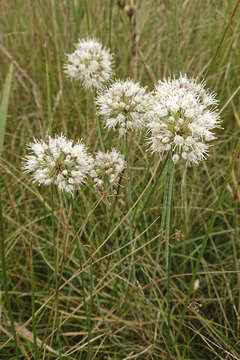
91	317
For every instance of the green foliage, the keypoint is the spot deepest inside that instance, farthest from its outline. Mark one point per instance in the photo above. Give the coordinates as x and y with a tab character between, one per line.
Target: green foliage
92	254
4	106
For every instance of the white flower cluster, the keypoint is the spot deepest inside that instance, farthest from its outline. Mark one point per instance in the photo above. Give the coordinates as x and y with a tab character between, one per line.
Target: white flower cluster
90	63
124	106
107	165
58	161
183	116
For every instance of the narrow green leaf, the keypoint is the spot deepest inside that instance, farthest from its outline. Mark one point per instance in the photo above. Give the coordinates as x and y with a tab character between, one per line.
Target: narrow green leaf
4	106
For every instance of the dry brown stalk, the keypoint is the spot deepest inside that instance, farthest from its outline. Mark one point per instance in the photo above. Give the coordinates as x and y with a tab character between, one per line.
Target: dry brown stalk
131	12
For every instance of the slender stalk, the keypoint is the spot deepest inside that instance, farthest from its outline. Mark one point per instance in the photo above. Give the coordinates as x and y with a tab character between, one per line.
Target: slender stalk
49	112
205	240
33	304
87	16
110	25
170	190
68	210
53	237
82	259
55	257
5	278
167	246
100	133
148	197
89	313
82	283
112	215
176	38
99	127
162	227
114	205
133	273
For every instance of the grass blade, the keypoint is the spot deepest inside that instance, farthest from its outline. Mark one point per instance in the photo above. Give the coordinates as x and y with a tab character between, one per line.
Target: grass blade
4	106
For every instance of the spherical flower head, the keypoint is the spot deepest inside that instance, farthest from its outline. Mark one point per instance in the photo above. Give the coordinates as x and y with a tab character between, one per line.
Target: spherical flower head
58	161
90	63
124	106
182	119
107	167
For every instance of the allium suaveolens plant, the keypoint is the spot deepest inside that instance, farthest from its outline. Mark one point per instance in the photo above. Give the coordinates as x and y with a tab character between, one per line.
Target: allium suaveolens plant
124	106
90	63
59	162
107	166
184	115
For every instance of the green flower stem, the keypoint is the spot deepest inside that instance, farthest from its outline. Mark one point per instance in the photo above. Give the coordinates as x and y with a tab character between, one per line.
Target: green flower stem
110	25
99	128
87	16
98	123
89	314
81	255
178	65
49	104
113	208
133	272
171	169
33	305
55	257
162	227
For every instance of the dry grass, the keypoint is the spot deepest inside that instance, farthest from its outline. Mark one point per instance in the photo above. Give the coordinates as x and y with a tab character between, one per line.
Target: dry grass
97	320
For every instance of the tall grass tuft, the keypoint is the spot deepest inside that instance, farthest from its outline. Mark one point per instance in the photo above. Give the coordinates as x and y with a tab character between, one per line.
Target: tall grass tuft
71	301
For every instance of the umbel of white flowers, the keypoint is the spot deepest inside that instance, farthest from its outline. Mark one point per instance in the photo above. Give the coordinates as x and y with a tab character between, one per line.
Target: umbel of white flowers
90	63
183	117
58	161
124	106
107	166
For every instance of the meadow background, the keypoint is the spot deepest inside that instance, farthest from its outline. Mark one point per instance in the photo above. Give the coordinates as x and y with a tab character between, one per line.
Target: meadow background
102	314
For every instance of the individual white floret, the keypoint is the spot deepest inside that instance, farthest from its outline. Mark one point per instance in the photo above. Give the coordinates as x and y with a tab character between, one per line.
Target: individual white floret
183	118
107	166
90	63
58	161
124	106
175	158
